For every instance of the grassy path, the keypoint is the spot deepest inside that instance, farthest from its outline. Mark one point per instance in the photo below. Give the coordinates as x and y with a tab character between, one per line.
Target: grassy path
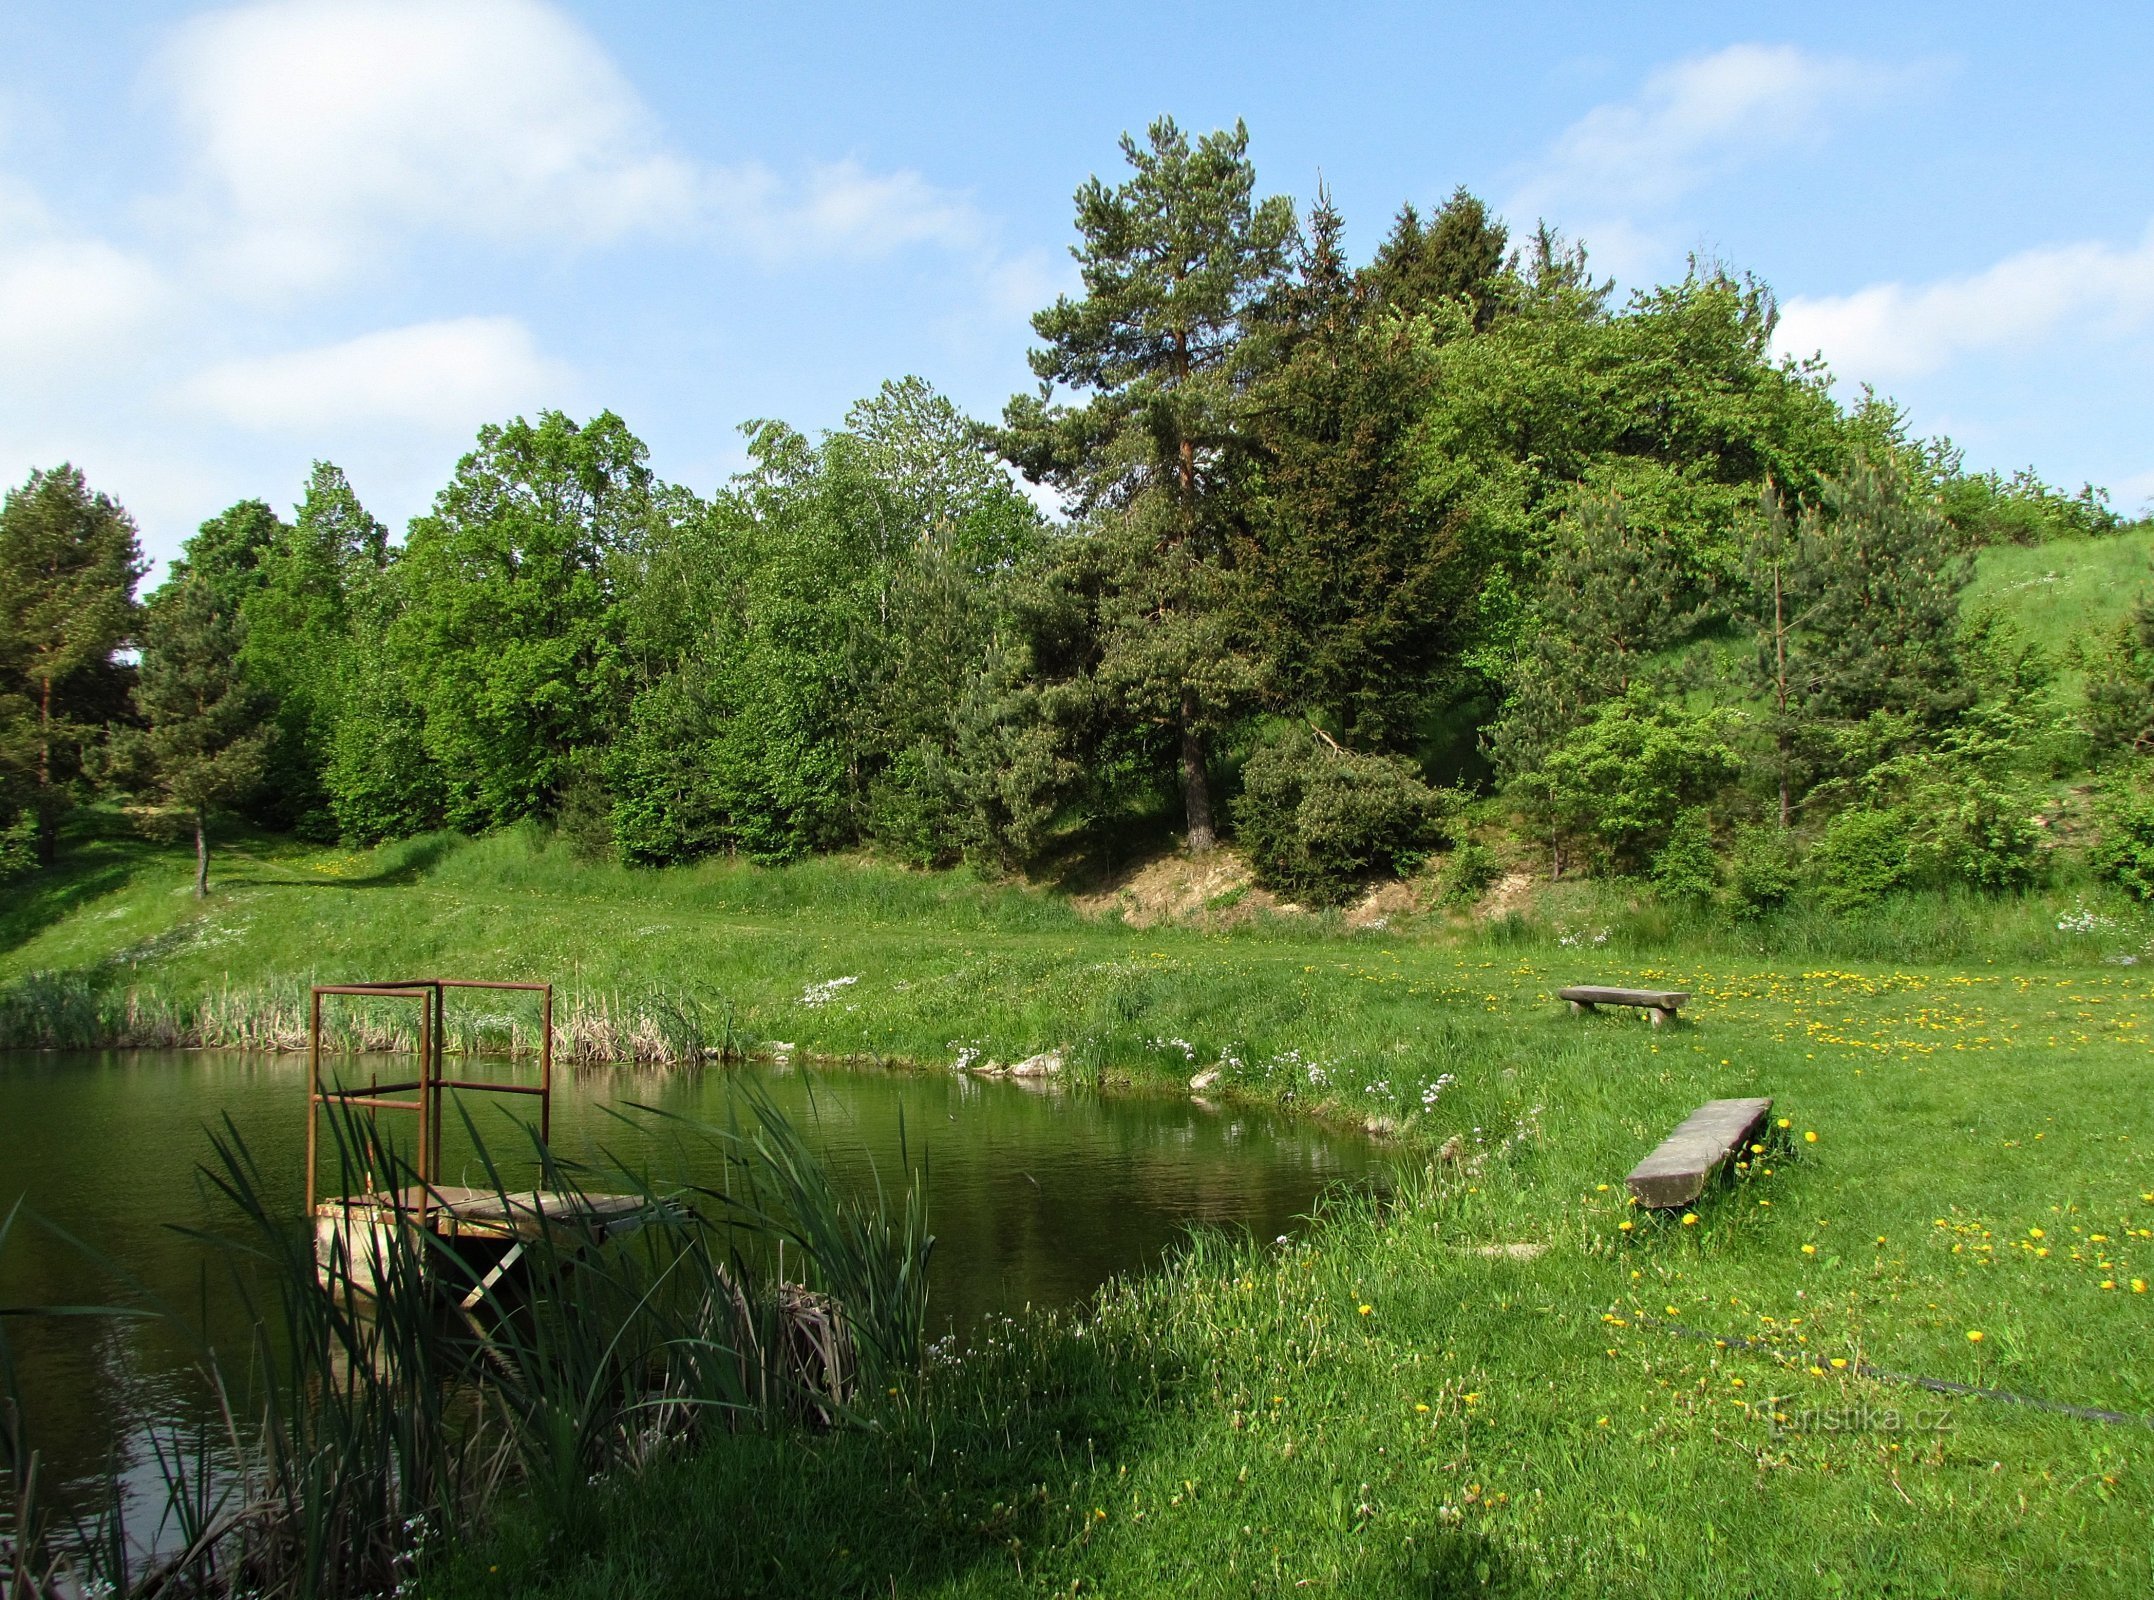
1476	1390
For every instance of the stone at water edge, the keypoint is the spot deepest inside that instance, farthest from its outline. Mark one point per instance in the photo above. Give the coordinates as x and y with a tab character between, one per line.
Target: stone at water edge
1204	1080
1044	1065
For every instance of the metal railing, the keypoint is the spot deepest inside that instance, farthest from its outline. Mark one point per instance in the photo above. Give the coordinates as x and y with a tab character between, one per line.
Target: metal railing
430	1085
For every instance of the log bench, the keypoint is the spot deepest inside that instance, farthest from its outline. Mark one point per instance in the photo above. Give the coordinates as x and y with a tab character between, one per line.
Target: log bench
1660	1004
1676	1173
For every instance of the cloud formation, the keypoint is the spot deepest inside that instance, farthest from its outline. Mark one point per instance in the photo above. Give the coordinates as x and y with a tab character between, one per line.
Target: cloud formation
432	376
1615	172
331	132
1895	330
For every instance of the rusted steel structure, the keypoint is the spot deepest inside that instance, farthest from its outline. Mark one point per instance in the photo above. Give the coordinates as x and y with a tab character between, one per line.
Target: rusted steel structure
345	1223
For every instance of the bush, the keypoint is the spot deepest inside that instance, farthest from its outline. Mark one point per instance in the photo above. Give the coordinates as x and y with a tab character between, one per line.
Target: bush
1685	870
1861	858
1977	831
18	848
1467	873
1316	819
1614	788
1764	869
2123	850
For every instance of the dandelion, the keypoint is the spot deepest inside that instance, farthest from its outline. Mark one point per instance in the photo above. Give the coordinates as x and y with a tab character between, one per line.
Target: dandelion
1974	1335
2139	1286
1365	1310
1735	1383
1690	1219
2109	1283
1419	1406
1625	1225
1809	1249
2036	1233
1602	1423
1809	1137
1838	1362
1787	1122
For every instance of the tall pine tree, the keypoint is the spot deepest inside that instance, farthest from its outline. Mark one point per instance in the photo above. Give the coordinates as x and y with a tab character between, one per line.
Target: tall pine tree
1180	263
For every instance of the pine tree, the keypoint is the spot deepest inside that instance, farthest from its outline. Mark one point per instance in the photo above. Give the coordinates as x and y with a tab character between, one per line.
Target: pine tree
205	743
1180	265
69	562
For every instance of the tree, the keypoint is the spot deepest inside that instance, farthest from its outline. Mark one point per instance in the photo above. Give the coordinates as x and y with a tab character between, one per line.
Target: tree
1358	594
69	562
510	635
1853	605
227	551
1615	601
205	743
1460	256
1180	263
299	648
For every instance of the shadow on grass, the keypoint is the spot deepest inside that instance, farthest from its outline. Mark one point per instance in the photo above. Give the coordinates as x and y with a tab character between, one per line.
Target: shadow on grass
98	854
400	865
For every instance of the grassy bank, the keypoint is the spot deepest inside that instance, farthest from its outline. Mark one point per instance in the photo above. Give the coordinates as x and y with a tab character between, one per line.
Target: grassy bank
1254	1421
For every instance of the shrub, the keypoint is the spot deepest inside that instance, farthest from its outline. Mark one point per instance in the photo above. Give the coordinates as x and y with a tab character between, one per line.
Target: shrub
1614	788
1978	831
2123	850
1685	868
1316	819
1764	869
1861	858
1467	873
912	809
18	847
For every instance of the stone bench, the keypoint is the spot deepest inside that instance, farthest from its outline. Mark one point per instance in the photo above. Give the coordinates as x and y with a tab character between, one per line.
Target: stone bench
1660	1004
1676	1173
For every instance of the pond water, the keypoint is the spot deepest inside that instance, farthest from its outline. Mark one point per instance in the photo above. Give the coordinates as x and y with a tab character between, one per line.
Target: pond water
1037	1193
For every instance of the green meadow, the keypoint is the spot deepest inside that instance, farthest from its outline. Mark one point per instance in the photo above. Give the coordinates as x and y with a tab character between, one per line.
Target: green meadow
1494	1377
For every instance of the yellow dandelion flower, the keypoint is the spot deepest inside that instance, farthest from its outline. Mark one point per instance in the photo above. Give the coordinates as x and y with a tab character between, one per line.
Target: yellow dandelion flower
2139	1286
1809	1249
1809	1137
1974	1335
1419	1406
1690	1219
1625	1225
1839	1362
1787	1122
1365	1310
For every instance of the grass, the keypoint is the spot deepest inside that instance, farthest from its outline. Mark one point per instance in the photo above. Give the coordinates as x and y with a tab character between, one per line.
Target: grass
2070	591
1241	1424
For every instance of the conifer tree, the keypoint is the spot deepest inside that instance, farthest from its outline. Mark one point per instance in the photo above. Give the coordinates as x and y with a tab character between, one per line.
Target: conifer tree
69	561
1180	264
205	740
1460	254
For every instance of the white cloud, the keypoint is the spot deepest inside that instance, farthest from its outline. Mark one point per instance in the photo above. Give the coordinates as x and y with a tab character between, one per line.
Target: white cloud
1622	163
1895	330
64	298
324	123
329	130
442	377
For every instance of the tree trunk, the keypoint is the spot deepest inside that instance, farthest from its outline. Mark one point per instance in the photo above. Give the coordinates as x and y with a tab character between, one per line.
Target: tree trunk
48	824
1780	691
1196	783
201	855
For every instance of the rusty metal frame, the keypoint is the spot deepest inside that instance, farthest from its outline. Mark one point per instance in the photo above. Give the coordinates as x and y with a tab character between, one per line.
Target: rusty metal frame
431	993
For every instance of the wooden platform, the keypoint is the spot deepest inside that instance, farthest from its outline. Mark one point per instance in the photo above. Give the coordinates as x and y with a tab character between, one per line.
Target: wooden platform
1676	1173
1661	1004
496	1225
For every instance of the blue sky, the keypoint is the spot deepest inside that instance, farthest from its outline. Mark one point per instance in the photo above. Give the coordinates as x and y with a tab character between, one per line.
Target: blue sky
234	239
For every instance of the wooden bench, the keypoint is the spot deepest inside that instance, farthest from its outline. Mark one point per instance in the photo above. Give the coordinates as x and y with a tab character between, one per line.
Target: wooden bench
1662	1004
1676	1173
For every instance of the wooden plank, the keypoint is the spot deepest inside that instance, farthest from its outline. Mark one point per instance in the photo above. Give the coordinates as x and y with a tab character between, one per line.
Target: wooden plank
1676	1172
1653	999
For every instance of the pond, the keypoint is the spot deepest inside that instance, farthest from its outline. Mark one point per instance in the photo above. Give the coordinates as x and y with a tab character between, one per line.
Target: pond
1037	1193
